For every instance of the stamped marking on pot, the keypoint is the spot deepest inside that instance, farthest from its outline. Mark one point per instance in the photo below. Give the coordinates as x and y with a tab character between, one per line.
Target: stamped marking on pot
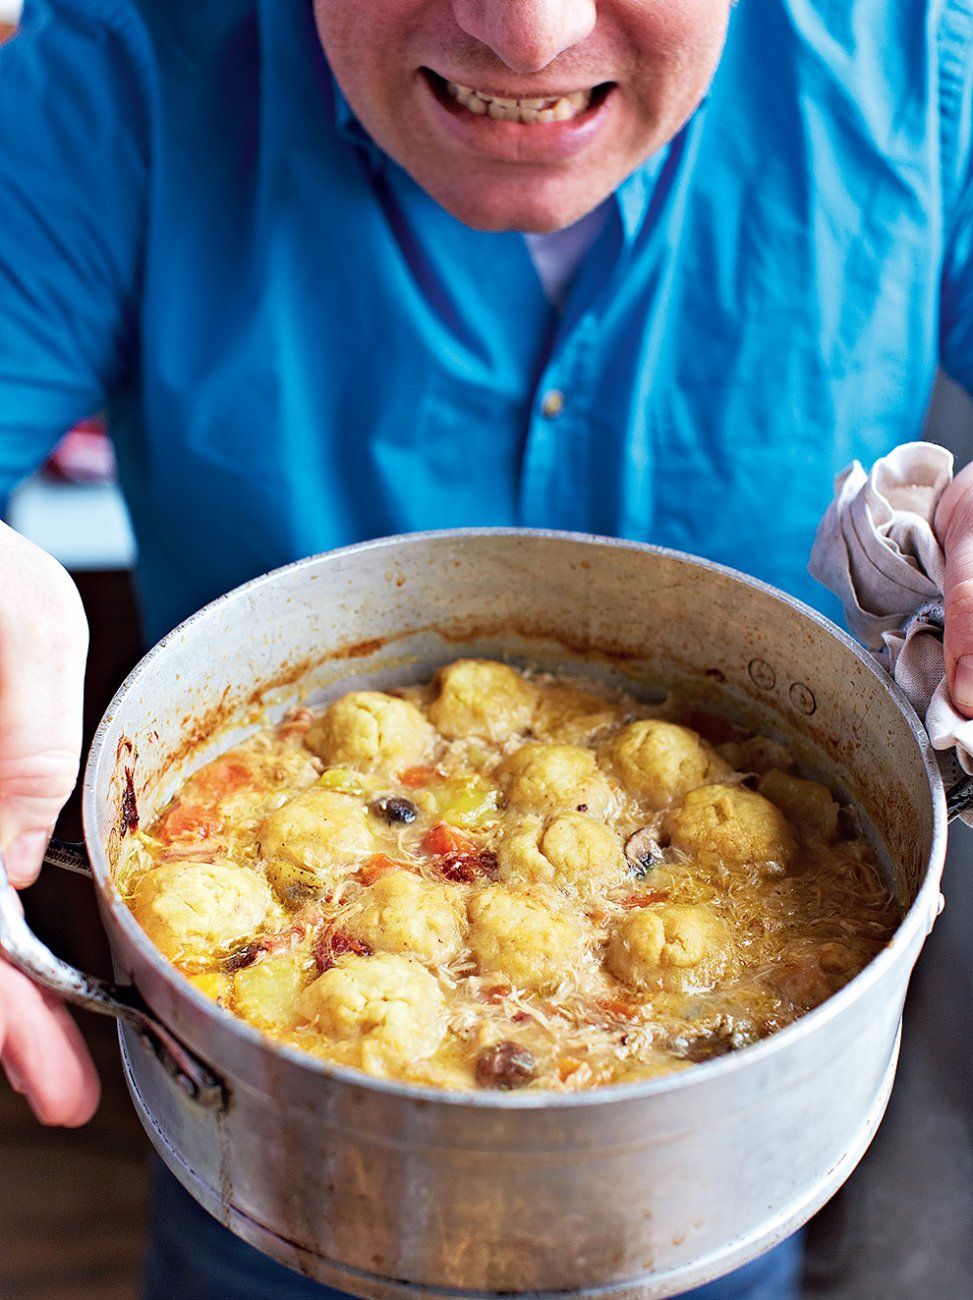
802	698
762	675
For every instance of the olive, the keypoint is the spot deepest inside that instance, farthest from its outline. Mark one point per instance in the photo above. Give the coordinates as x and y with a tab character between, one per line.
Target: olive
504	1065
393	809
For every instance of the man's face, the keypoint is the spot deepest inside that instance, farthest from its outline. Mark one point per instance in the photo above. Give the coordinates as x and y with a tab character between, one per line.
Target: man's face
522	114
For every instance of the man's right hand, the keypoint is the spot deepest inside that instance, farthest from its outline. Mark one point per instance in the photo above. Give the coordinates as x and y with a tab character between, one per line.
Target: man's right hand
43	646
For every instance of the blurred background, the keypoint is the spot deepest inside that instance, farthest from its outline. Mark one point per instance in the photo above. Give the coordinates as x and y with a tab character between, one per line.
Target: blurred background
73	1205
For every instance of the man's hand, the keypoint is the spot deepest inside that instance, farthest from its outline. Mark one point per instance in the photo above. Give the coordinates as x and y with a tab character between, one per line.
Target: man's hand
954	527
43	645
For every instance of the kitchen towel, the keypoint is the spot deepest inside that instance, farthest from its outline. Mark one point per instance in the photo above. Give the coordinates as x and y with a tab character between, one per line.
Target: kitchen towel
877	551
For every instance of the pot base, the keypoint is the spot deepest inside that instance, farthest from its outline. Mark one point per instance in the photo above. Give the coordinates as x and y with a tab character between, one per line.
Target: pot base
649	1286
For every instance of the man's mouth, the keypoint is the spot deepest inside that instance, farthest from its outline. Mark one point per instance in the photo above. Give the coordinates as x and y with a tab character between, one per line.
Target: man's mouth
527	110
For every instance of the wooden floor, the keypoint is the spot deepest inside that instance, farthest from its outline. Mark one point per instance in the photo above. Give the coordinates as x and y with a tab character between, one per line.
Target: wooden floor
73	1205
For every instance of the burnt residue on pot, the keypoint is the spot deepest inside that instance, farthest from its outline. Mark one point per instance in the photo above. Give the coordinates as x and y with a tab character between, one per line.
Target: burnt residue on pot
126	757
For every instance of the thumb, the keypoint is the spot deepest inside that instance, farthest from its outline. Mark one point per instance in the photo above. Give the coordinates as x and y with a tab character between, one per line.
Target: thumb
954	526
43	645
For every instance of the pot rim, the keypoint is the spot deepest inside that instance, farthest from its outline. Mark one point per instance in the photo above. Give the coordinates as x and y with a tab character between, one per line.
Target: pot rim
922	912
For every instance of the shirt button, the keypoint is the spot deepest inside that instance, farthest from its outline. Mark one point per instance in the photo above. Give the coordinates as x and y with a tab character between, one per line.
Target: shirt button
552	403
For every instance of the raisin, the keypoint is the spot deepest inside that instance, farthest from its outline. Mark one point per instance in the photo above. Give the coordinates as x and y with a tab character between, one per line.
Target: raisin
241	958
334	944
393	809
505	1065
467	867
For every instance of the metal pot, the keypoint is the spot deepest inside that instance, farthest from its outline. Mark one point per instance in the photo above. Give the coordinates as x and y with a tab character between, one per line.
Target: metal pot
386	1190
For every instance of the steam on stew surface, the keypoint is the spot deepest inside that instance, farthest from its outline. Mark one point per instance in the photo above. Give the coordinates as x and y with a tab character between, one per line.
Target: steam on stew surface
507	881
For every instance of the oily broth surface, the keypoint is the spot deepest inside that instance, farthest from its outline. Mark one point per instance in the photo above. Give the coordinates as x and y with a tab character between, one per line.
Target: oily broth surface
747	944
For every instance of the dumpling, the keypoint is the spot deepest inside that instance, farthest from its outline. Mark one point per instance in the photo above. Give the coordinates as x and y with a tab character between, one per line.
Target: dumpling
550	779
517	936
674	947
196	912
314	839
659	762
569	715
731	825
478	697
404	914
371	732
572	852
387	1008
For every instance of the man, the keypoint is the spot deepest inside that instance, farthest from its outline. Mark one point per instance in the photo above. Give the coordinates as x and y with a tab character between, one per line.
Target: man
283	244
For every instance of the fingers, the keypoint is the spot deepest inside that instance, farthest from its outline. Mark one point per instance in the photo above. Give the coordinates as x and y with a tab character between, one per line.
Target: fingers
954	526
43	1053
43	645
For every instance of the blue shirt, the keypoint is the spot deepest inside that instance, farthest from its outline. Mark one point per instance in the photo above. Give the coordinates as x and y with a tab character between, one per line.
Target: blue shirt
297	348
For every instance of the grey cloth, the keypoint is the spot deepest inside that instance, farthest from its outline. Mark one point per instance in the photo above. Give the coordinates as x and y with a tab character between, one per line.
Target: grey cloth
877	551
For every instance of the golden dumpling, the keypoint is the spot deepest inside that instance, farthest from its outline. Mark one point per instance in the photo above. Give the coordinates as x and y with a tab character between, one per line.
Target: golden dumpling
371	732
387	1008
572	852
808	805
402	913
731	825
569	715
672	947
660	762
482	698
195	911
550	779
314	839
517	935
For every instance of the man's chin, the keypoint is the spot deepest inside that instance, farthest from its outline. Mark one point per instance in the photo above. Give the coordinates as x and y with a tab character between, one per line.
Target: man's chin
534	207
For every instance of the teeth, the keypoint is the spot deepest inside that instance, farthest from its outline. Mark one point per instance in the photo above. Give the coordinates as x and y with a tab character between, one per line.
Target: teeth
553	108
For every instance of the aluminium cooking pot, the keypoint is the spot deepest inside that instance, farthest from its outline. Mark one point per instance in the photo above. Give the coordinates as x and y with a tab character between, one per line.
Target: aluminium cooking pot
391	1190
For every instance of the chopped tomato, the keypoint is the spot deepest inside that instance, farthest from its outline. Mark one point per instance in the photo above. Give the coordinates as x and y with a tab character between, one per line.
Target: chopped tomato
416	776
443	839
189	821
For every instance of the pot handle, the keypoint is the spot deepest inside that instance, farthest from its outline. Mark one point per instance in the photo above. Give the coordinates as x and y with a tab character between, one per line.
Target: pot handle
23	949
959	797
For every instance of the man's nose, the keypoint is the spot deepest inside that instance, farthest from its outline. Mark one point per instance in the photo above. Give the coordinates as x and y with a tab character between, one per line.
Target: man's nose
527	34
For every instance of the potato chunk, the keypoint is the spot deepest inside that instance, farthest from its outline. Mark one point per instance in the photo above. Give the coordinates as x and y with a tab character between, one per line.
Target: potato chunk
807	804
314	839
573	853
660	762
266	993
401	913
517	935
371	732
549	779
478	697
675	947
731	825
389	1008
195	912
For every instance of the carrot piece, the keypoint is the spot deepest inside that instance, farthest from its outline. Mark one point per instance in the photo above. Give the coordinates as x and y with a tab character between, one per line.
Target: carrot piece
219	779
443	838
380	864
416	776
189	821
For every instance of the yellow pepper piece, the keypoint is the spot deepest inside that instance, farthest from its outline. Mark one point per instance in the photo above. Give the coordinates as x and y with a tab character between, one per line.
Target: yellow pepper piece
342	780
466	801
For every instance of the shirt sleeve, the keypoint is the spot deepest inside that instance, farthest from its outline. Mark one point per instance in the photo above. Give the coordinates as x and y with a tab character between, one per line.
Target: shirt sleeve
956	106
73	176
